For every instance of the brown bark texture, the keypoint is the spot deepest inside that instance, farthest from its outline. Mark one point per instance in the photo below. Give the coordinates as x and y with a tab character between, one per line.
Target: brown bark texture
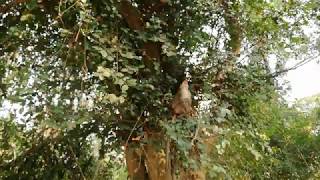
148	161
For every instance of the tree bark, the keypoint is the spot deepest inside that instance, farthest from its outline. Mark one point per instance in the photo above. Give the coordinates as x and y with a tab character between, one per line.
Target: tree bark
135	163
151	160
233	46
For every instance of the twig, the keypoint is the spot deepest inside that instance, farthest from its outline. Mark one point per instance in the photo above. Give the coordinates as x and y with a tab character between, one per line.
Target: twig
77	35
299	64
195	135
61	14
135	125
84	66
77	162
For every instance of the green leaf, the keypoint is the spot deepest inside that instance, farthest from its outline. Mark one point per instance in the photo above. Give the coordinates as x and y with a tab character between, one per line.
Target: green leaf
103	72
254	152
112	98
65	32
124	88
104	53
27	17
15	98
131	82
119	81
149	86
171	53
128	54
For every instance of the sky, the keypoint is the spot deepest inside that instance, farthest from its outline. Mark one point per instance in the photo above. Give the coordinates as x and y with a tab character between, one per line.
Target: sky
304	81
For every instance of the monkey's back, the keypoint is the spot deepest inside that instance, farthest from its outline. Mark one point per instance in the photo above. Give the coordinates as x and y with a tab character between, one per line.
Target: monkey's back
182	103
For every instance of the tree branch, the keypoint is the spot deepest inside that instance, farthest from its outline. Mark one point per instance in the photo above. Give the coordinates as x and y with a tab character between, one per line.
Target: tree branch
299	64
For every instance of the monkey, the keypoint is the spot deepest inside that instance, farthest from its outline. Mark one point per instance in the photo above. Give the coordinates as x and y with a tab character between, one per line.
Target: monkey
182	102
181	105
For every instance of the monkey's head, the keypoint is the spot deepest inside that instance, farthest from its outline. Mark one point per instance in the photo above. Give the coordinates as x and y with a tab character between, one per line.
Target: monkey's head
184	84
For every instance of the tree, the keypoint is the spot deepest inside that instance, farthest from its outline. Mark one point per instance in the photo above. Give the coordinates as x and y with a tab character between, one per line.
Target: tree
107	70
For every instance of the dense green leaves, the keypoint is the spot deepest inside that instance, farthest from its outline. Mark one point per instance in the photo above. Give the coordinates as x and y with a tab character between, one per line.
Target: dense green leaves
79	79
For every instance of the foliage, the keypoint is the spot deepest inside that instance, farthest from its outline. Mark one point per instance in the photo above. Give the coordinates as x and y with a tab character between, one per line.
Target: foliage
79	81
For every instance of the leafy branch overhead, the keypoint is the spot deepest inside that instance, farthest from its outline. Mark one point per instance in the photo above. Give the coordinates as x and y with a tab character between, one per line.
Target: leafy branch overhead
87	89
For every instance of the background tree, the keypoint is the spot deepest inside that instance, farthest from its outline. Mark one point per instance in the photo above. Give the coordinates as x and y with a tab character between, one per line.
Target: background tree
88	81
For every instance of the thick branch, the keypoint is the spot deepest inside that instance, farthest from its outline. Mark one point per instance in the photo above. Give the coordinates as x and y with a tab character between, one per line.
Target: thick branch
132	16
296	66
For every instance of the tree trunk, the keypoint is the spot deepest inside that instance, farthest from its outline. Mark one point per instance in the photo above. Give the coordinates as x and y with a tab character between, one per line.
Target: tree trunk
150	161
146	159
233	46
